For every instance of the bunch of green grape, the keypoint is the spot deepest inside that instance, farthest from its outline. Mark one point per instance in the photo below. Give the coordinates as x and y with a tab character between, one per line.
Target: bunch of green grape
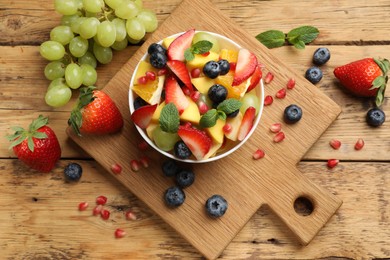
89	32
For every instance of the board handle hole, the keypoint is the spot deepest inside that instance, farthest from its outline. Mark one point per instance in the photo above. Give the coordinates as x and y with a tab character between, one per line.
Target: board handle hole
303	206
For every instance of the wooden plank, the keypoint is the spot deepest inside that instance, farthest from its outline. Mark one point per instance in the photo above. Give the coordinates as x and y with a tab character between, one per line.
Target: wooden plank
39	219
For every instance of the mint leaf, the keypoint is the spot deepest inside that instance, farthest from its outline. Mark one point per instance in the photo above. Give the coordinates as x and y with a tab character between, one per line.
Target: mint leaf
306	34
299	45
221	115
169	118
188	55
201	47
209	119
230	105
272	38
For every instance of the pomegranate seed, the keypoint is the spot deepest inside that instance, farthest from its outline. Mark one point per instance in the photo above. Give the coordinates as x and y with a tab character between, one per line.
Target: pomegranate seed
116	168
227	128
275	128
186	91
258	154
291	83
195	96
279	137
96	210
187	125
150	75
134	164
233	66
195	73
268	100
205	54
119	233
130	215
142	80
335	144
359	144
203	108
281	93
143	145
162	71
105	214
83	206
261	66
101	200
144	160
268	78
332	163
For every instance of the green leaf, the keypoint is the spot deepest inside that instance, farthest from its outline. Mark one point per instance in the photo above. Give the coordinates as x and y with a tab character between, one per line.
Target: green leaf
188	55
307	34
209	119
221	115
169	118
230	105
17	141
272	38
300	45
378	82
30	143
379	97
38	123
201	47
40	135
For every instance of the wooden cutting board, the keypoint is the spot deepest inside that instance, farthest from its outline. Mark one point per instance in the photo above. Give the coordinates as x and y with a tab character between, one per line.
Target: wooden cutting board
245	183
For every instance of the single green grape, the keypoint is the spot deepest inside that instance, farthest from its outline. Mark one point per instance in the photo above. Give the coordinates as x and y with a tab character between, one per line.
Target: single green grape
68	19
58	96
126	10
202	36
132	41
89	74
76	23
120	27
88	58
78	46
54	70
164	140
66	7
102	54
52	50
138	3
106	33
121	45
113	3
93	6
73	75
88	28
62	34
148	19
79	4
56	83
135	29
250	100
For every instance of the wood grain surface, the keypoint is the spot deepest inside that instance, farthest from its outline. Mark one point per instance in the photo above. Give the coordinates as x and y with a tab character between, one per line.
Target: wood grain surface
39	217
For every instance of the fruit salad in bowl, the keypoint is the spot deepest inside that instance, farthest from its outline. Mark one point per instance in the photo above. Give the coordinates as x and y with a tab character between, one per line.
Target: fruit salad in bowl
196	96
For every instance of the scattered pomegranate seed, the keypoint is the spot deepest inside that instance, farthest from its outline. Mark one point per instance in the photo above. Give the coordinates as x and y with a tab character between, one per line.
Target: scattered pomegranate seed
162	71
258	154
195	96
227	128
134	164
335	144
290	83
205	54
332	163
275	128
101	200
143	145
203	108
279	137
105	214
281	93
268	100
96	210
130	215
142	80
116	168
119	233
261	65
268	78
144	160
195	73
83	206
150	75
233	66
359	144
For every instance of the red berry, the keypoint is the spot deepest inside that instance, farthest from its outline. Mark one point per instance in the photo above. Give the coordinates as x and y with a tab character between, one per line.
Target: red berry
206	54
150	75
195	73
105	214
275	128
335	144
195	96
268	78
233	66
332	163
203	108
268	100
116	168
97	209
279	137
83	206
359	144
119	233
227	128
142	80
291	83
130	215
143	145
101	200
258	154
144	160
134	164
281	93
162	71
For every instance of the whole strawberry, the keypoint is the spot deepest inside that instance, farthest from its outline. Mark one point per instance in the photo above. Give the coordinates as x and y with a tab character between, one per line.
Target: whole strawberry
38	146
95	113
365	78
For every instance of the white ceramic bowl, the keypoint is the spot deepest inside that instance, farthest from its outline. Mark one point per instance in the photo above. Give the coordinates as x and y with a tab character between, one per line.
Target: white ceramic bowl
224	43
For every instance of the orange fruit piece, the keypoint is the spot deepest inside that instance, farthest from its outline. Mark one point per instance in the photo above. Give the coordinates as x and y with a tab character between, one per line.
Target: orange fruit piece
151	91
229	55
233	91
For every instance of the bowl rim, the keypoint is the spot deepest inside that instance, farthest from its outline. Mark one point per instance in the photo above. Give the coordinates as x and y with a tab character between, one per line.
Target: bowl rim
213	158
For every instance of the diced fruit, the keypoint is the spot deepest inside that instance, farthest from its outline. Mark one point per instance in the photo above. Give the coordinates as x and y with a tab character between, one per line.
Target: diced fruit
255	79
151	91
149	130
167	42
235	123
157	112
196	140
179	45
213	150
336	144
142	116
191	113
229	55
174	94
164	140
233	91
250	100
144	67
180	70
246	123
216	131
200	60
202	84
204	36
246	65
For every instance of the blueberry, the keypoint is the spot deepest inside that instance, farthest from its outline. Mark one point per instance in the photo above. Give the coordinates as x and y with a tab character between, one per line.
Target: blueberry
170	168
375	117
224	67
139	102
217	93
211	69
174	196
292	114
73	172
155	47
321	56
185	178
233	114
158	60
181	150
313	74
216	206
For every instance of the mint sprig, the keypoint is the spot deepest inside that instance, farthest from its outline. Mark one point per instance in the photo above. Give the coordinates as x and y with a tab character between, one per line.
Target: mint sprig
209	119
199	47
169	118
298	37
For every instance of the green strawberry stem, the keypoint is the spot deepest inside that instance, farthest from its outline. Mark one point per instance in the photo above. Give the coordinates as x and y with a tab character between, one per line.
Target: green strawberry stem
21	134
380	82
76	118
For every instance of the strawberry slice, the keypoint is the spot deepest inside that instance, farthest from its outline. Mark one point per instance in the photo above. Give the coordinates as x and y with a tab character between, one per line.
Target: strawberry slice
246	123
256	77
142	116
179	68
246	65
197	141
179	45
174	94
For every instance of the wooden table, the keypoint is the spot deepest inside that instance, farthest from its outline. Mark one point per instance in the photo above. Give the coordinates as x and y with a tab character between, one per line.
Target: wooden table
38	212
